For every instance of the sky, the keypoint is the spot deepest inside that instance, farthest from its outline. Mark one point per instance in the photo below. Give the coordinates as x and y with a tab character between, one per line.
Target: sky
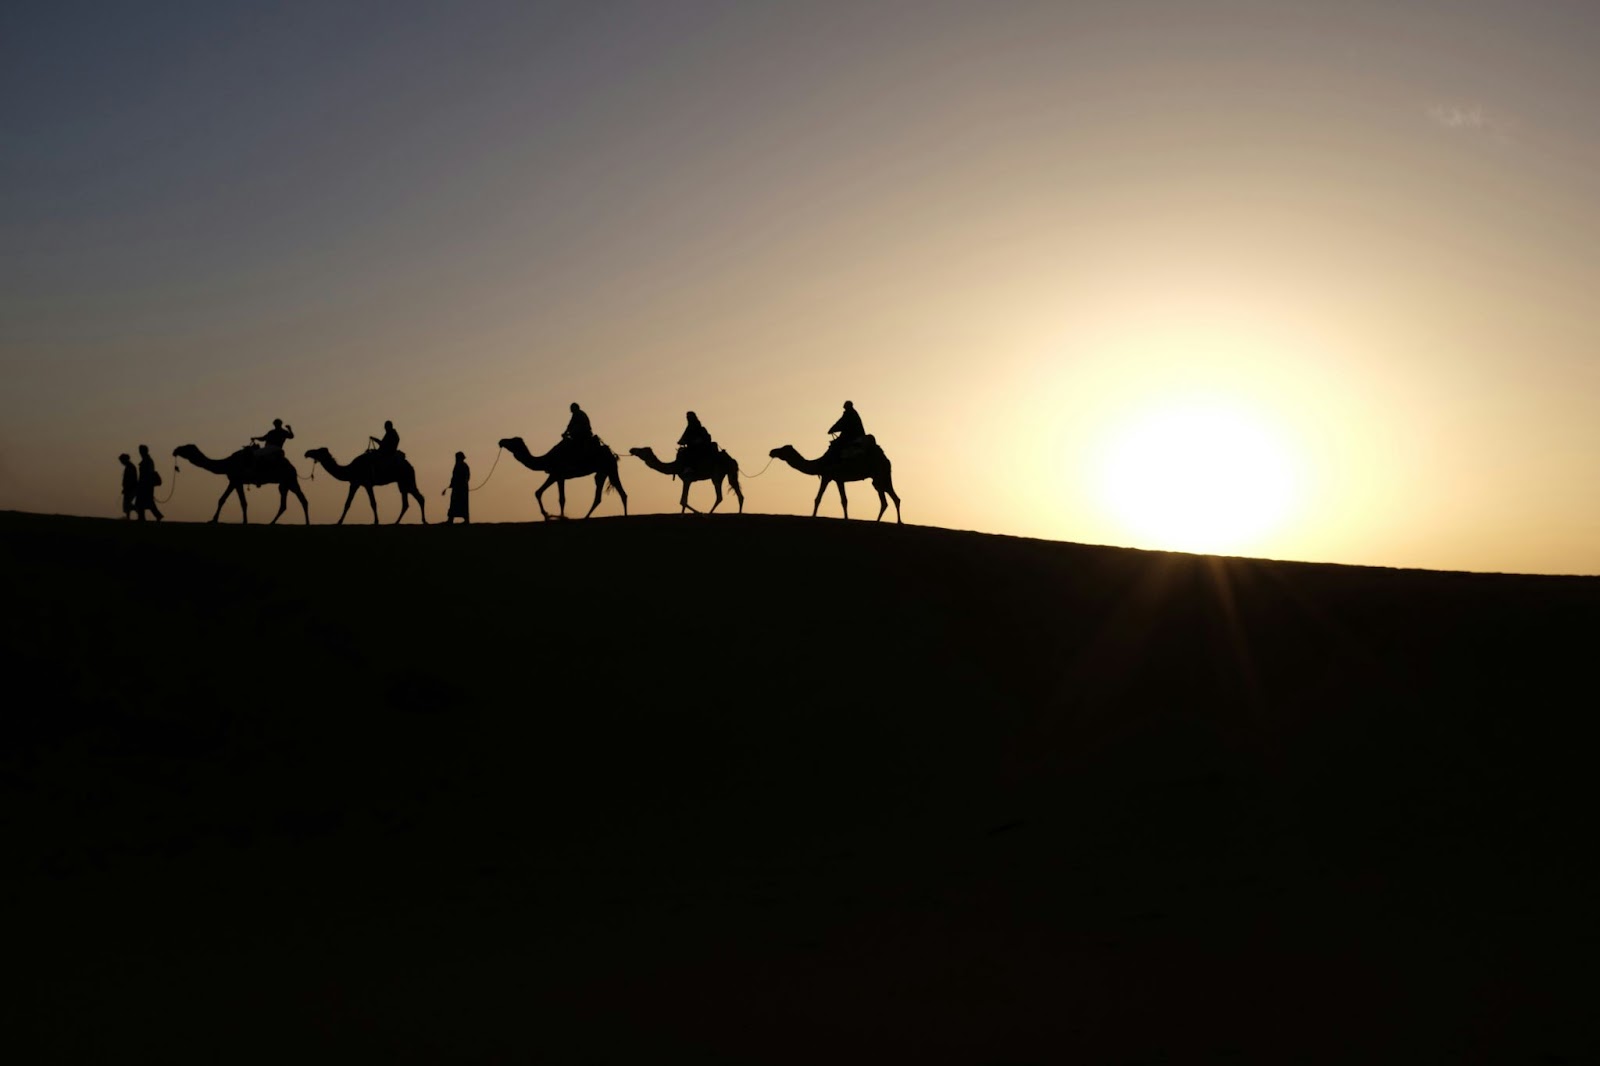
1296	280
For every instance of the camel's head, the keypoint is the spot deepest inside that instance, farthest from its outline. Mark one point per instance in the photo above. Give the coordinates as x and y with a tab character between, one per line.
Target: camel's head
640	453
511	442
186	451
778	452
319	455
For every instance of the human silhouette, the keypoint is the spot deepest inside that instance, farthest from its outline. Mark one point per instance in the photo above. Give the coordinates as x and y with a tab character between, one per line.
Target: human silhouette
460	478
130	485
274	437
695	447
389	443
145	497
578	434
849	429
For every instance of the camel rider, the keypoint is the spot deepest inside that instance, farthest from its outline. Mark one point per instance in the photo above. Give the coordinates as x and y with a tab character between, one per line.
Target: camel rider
390	442
848	427
695	445
274	437
578	435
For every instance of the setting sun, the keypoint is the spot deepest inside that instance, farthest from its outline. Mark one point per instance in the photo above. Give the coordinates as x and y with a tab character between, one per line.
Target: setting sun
1198	476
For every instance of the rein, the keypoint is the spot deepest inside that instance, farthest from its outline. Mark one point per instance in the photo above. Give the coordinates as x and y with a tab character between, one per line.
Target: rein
174	488
752	477
490	474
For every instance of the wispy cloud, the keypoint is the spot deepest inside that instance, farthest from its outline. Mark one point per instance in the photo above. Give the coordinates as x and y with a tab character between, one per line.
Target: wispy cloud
1472	120
1460	116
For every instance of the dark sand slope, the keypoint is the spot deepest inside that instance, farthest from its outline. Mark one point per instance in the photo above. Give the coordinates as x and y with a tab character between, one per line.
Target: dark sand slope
769	789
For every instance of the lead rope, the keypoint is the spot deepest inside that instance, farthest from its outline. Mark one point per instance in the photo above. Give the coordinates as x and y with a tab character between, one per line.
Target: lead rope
752	477
170	490
490	474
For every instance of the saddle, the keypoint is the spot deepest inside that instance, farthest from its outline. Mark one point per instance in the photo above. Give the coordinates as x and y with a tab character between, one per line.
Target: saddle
698	458
569	449
385	462
856	449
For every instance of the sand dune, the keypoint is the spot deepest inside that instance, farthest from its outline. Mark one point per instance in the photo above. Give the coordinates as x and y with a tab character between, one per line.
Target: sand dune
767	789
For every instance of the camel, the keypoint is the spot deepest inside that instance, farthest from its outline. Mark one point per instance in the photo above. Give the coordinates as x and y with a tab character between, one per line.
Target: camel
369	469
248	467
722	466
562	464
869	464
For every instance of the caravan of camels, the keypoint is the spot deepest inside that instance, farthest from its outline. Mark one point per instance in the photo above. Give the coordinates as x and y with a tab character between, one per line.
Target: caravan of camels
852	455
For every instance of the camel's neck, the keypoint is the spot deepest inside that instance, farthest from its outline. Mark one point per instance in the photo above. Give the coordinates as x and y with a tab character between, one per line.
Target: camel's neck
336	469
800	462
205	462
519	451
648	457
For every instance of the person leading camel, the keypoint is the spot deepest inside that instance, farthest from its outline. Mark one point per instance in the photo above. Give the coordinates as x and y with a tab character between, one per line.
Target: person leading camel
145	500
460	478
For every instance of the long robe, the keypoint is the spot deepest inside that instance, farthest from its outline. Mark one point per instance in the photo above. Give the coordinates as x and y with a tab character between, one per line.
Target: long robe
460	477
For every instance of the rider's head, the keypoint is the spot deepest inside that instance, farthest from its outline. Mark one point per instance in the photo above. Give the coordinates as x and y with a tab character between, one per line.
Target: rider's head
691	416
460	456
574	407
277	423
144	449
123	458
388	424
848	406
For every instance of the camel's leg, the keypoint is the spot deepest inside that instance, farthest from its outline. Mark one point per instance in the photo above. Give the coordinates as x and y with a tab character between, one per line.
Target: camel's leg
622	494
405	505
683	500
599	487
716	486
422	505
733	483
222	500
887	485
561	497
372	498
538	496
843	501
283	504
818	501
347	498
305	507
244	508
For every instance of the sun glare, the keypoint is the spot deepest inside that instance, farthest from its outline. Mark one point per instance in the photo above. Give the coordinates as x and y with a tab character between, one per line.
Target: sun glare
1198	476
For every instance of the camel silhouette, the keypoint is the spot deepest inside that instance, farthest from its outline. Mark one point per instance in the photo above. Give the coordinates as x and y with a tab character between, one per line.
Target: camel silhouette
869	464
722	466
369	469
247	467
562	465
